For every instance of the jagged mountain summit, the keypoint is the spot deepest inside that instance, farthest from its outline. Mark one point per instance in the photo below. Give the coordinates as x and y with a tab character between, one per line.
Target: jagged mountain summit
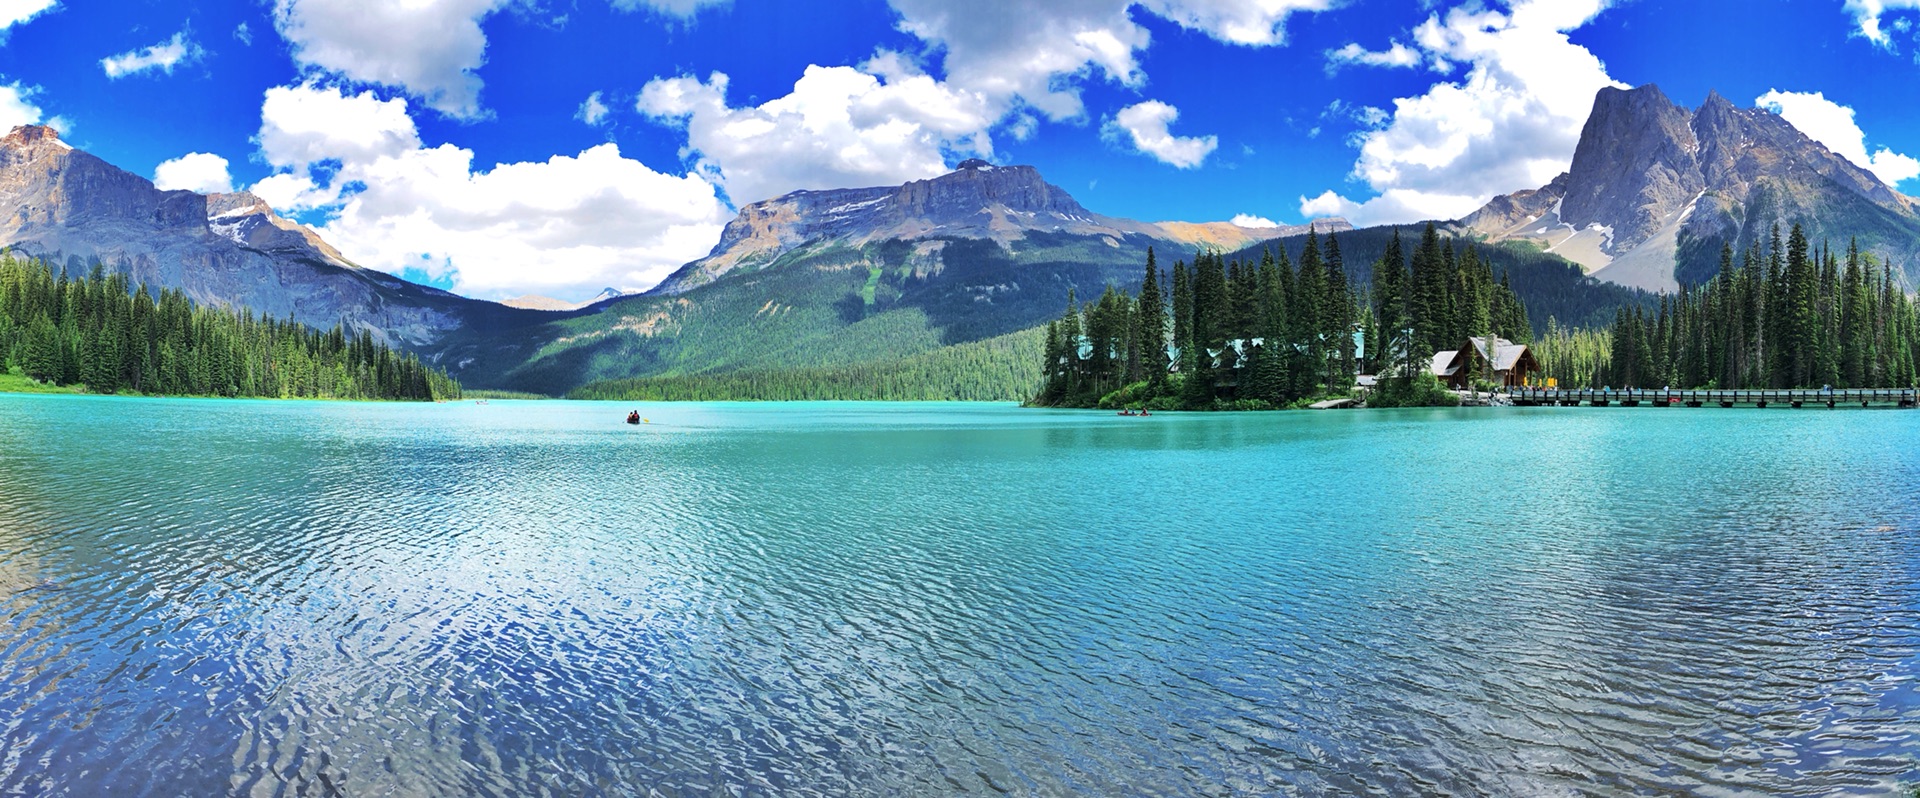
977	200
74	209
1655	190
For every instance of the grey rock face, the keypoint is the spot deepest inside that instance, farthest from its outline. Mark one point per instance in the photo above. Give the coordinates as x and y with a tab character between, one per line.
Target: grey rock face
1635	167
1654	191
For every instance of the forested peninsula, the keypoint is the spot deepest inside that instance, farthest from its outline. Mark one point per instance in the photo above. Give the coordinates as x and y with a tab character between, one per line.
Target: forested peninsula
1273	334
99	334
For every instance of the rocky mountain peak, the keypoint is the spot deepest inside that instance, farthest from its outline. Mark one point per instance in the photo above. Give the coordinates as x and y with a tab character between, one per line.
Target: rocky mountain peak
1655	189
1634	167
28	135
977	200
230	202
245	219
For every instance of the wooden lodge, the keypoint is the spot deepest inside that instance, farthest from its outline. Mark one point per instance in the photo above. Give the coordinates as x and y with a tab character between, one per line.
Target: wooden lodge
1511	364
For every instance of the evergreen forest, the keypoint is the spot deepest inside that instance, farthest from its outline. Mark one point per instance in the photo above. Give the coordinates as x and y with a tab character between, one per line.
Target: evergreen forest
1233	334
100	333
1786	315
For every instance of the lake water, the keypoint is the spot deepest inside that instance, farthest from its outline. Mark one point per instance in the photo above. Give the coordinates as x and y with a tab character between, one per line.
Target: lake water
210	597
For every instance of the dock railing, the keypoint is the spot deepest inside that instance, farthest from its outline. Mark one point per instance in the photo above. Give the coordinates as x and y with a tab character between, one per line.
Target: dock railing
1671	397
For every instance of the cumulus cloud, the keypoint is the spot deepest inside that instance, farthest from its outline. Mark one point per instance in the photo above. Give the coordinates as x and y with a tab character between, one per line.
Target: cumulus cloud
1397	55
1867	14
567	225
1510	123
243	34
17	108
163	56
1832	124
1041	52
310	124
839	127
593	111
429	48
15	12
1250	220
1146	125
1005	65
196	171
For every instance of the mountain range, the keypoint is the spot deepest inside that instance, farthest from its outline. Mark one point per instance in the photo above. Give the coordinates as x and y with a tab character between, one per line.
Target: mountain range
977	201
956	272
1655	190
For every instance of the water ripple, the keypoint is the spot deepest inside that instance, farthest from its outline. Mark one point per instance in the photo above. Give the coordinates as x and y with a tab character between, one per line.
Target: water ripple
262	598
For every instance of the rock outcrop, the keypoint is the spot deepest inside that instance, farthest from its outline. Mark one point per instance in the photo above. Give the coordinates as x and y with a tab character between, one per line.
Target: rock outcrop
1655	190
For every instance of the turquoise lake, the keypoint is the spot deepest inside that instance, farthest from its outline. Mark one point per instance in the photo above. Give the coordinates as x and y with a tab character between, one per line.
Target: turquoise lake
203	597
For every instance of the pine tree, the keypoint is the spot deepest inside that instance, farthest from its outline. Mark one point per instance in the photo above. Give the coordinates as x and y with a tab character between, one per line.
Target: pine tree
1152	326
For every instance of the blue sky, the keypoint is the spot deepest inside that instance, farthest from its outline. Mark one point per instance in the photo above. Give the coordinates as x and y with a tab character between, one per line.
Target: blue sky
501	147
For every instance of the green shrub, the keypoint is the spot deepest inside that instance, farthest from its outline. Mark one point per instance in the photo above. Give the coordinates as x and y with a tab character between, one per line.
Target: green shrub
1420	390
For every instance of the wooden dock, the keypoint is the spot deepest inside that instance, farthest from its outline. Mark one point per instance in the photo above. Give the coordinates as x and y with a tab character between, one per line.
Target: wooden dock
1658	397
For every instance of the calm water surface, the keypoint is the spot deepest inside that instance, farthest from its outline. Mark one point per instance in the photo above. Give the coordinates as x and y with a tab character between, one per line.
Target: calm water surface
207	597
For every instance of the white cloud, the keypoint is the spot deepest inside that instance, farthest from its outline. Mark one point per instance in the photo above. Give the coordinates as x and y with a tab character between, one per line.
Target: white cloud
1248	22
15	12
1039	53
307	124
1832	124
1005	66
1397	55
839	127
593	111
1511	123
566	225
243	34
196	171
430	48
1146	126
17	108
293	193
1250	220
163	56
1867	13
679	8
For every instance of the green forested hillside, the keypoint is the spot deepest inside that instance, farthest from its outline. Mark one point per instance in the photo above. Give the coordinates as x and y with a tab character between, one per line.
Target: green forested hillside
853	313
1551	287
873	321
1003	368
102	333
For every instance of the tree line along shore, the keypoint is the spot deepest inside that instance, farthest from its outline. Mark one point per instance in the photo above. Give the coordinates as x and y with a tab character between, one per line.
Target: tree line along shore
1275	334
98	334
1781	313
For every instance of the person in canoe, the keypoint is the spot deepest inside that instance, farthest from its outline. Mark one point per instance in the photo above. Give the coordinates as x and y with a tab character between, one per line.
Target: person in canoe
633	417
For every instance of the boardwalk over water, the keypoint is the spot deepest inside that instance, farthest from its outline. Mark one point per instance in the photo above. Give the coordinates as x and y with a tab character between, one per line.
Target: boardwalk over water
1660	397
